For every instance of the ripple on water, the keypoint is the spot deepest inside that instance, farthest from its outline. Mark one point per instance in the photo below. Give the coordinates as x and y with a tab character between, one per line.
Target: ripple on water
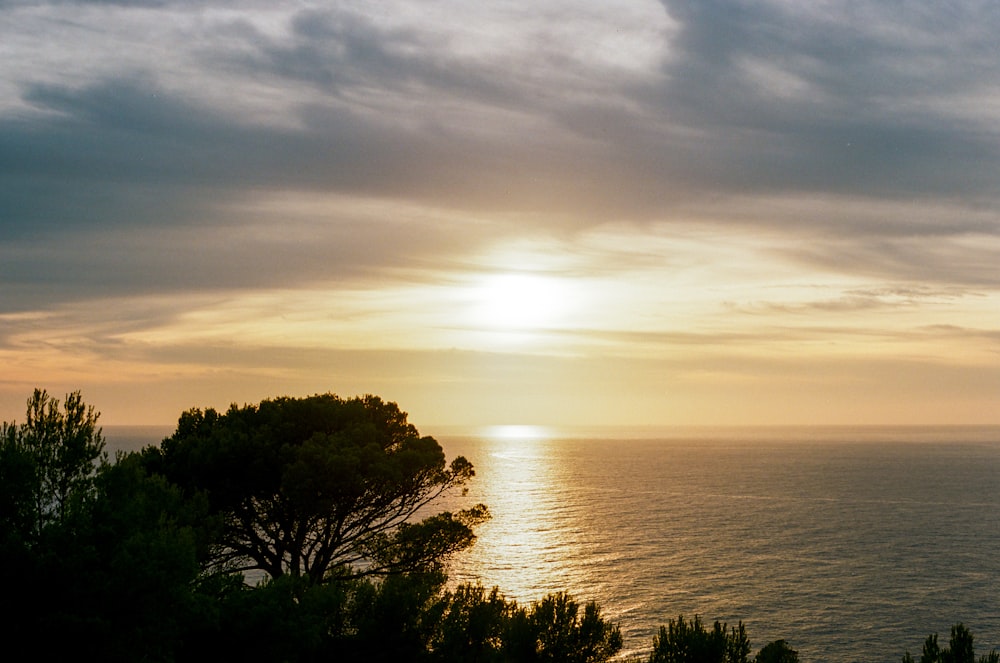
850	550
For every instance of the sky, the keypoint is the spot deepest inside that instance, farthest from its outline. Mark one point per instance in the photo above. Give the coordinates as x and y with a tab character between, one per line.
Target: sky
536	213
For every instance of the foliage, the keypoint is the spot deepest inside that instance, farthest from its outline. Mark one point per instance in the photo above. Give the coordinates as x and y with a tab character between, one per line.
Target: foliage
281	619
690	642
147	541
474	626
317	485
411	620
777	652
103	555
401	617
960	649
554	630
48	464
394	618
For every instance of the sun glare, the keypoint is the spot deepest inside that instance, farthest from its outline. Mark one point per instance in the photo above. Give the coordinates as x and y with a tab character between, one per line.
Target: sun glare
520	301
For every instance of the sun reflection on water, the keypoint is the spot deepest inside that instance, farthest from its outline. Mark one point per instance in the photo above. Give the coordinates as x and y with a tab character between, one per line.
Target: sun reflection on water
737	529
520	549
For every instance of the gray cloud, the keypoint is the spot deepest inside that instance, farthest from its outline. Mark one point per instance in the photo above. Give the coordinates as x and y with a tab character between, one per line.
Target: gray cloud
841	99
865	103
752	99
968	263
243	252
860	300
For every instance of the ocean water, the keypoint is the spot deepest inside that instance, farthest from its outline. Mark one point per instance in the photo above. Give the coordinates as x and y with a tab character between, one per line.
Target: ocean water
851	544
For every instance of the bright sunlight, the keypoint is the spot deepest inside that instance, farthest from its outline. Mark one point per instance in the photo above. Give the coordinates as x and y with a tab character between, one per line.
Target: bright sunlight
520	301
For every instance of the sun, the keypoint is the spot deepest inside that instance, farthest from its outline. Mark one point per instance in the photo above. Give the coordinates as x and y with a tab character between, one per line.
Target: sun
520	301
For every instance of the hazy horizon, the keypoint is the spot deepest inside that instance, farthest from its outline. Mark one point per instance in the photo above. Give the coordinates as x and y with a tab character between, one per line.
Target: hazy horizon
114	434
654	213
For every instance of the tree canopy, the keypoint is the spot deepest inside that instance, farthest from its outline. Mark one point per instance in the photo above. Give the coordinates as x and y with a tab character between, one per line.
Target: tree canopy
960	649
690	642
309	486
47	463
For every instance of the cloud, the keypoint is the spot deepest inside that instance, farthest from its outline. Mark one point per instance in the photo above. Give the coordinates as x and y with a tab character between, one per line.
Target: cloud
963	260
497	109
266	242
843	99
860	300
158	157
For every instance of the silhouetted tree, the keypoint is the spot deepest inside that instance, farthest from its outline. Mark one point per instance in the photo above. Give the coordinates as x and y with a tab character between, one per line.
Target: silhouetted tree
554	630
473	627
401	617
284	619
690	642
48	464
960	649
394	618
99	559
140	578
305	486
777	652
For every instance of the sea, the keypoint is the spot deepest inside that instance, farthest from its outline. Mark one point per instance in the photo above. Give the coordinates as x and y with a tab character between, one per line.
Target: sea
852	544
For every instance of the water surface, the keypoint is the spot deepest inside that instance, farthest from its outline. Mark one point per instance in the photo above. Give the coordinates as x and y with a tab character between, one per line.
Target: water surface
852	544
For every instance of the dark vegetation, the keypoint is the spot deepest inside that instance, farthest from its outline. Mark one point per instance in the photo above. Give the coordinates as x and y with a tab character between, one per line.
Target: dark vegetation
295	530
959	649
